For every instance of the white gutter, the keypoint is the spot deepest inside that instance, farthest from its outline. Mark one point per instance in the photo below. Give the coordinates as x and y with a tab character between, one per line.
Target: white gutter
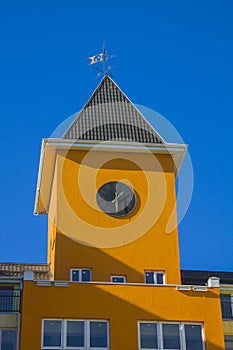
116	145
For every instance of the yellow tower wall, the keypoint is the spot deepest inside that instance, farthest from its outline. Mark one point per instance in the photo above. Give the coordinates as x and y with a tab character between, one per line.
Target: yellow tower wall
143	243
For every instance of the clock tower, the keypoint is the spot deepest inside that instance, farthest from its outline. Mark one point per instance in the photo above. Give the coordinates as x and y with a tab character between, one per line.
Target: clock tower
108	188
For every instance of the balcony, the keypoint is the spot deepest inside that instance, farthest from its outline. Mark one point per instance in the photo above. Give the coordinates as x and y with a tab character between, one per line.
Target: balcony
10	300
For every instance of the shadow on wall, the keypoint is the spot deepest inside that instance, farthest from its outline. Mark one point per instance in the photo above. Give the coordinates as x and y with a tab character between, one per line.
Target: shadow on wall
103	264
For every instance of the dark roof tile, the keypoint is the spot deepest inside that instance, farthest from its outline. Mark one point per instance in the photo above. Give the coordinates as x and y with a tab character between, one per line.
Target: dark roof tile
110	116
41	271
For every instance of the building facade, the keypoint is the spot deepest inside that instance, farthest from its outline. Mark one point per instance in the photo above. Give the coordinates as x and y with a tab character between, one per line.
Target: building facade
107	186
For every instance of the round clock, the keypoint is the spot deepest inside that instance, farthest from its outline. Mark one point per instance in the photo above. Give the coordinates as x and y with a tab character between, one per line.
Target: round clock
116	198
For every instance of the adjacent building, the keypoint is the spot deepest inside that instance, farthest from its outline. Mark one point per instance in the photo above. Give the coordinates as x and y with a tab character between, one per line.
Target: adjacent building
11	286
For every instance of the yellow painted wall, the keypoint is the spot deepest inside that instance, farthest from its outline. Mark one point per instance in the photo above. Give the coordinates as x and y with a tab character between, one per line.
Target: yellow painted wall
153	179
123	306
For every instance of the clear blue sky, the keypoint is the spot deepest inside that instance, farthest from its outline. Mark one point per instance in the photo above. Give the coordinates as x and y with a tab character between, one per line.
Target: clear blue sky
175	57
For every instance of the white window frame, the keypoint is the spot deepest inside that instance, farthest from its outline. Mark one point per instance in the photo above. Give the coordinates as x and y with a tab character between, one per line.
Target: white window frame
155	274
194	324
80	272
64	333
181	337
124	277
42	334
9	329
139	335
181	334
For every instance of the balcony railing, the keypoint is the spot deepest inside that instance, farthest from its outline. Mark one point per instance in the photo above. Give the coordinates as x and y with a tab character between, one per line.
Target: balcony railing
10	300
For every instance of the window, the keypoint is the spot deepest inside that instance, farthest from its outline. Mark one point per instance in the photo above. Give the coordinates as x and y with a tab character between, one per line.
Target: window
193	336
52	333
80	275
118	279
8	339
227	306
173	336
75	335
148	335
153	277
228	342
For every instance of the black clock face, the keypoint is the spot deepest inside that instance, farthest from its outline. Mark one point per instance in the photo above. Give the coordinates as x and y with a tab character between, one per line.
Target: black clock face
116	198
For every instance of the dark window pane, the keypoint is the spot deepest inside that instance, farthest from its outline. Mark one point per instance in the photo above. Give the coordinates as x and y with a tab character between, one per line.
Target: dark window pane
75	333
148	336
75	275
226	306
86	275
118	279
171	336
98	334
52	333
159	278
229	342
193	337
9	339
150	277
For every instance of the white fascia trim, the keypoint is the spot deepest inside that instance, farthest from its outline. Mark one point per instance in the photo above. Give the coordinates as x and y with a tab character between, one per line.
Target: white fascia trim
39	179
126	146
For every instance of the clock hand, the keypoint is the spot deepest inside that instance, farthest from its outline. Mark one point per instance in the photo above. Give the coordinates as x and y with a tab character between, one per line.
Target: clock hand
116	196
120	194
116	202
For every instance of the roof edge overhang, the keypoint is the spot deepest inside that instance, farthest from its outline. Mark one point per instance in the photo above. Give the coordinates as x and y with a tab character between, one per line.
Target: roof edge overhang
50	147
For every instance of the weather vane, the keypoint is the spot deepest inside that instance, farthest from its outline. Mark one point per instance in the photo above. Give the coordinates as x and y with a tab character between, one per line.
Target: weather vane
101	60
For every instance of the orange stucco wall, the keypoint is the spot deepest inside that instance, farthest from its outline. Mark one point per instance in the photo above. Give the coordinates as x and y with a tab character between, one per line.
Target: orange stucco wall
78	217
123	306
